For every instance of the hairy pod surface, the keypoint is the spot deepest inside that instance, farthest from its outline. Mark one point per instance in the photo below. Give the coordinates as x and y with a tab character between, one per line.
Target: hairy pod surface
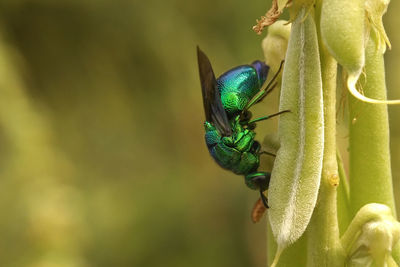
297	169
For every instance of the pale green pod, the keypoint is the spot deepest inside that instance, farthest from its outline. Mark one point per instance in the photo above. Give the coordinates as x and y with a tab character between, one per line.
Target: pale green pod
343	31
345	27
296	174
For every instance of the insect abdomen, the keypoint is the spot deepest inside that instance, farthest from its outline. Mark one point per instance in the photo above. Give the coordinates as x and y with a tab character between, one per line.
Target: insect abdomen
237	155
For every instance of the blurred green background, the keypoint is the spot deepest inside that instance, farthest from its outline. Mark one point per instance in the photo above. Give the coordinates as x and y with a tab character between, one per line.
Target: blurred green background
102	158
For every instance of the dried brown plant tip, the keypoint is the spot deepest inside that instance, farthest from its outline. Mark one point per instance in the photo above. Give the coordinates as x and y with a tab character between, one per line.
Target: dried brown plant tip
271	16
258	211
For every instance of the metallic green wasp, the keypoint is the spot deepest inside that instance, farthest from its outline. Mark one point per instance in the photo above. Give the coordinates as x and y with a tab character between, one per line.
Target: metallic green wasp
229	129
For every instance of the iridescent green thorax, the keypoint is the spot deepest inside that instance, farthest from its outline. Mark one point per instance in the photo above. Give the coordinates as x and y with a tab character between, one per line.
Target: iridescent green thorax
238	86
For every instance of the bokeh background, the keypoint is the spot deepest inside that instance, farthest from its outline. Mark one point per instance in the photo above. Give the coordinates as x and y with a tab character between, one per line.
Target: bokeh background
102	158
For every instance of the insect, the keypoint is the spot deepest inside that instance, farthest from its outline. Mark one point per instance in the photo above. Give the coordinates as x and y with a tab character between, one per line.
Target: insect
229	129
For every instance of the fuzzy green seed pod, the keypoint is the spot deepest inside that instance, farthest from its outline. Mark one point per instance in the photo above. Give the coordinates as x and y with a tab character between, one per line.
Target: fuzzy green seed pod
297	168
345	29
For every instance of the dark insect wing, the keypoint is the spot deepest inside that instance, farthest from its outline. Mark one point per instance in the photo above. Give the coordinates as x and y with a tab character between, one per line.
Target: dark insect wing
213	107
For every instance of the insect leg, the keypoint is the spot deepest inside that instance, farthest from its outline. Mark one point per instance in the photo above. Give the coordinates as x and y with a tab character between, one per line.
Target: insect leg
264	199
267	117
267	153
257	149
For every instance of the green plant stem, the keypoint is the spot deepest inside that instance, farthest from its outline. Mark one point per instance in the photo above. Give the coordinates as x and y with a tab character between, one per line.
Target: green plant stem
324	246
370	169
343	198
